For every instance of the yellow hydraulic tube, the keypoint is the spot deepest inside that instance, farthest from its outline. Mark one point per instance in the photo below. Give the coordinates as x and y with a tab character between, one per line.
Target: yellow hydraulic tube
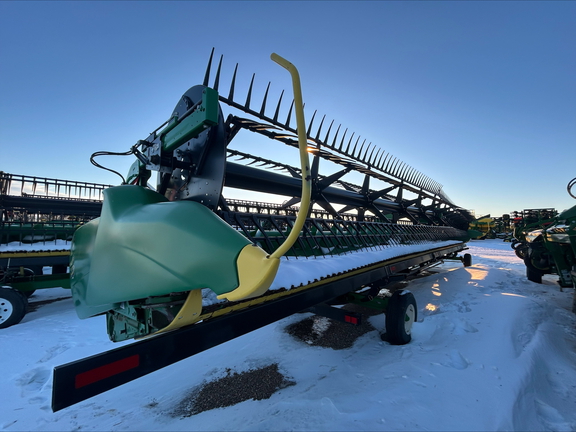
256	269
302	146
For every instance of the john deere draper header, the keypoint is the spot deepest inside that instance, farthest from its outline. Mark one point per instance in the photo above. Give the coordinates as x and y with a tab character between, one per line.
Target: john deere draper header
153	258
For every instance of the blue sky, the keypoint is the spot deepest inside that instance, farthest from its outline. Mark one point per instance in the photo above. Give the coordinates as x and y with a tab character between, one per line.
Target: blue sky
479	96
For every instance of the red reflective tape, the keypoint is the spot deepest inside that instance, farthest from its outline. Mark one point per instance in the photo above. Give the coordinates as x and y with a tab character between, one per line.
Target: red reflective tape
106	371
351	319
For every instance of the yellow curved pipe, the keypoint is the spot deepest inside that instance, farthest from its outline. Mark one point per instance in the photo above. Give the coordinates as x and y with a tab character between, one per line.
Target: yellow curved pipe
256	269
305	164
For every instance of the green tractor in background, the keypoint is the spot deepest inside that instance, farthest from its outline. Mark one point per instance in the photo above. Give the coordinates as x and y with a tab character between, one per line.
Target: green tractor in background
546	241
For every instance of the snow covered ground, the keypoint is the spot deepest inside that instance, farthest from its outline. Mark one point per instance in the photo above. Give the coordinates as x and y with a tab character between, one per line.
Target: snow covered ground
490	351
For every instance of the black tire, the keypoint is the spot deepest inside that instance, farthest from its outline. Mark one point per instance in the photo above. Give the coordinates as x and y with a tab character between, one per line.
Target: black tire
28	294
13	306
400	316
532	273
467	260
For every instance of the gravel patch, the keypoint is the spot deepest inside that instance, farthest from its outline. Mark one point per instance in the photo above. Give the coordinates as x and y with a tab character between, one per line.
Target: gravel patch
232	389
327	333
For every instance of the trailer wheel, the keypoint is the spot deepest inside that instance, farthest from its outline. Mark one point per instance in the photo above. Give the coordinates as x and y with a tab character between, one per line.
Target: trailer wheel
13	306
400	316
467	260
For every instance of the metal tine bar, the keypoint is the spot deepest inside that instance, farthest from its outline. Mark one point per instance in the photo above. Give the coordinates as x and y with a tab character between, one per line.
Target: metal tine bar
264	100
329	241
233	84
406	169
355	146
402	172
328	133
310	125
338	234
317	225
319	127
275	119
346	239
386	161
420	180
207	74
308	238
249	96
360	158
399	170
423	181
366	153
289	114
412	176
379	163
390	160
272	220
342	140
369	162
352	228
217	79
391	163
349	142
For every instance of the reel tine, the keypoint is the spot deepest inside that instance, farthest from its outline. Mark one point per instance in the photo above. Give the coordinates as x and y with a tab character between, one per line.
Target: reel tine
355	146
409	174
370	161
379	160
404	173
349	142
342	141
263	108
249	96
328	133
207	74
395	166
387	169
319	128
366	153
310	125
289	115
233	84
336	137
275	119
217	79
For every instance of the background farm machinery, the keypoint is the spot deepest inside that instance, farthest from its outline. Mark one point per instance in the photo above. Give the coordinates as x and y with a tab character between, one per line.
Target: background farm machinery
38	219
487	227
546	241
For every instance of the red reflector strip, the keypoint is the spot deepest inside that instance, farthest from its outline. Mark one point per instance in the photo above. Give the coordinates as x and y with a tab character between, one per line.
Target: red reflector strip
351	319
106	371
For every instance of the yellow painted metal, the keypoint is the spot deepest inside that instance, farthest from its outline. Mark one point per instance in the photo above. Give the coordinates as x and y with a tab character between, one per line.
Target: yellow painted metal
304	162
256	271
188	314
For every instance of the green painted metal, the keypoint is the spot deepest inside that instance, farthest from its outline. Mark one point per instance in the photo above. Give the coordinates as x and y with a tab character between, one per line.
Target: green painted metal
178	131
378	303
31	283
552	248
143	246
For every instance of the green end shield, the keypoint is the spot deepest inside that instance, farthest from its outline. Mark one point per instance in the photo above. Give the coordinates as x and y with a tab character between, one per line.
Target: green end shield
143	246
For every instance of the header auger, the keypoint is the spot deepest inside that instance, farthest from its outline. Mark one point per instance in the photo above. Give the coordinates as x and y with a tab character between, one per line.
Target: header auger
193	268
